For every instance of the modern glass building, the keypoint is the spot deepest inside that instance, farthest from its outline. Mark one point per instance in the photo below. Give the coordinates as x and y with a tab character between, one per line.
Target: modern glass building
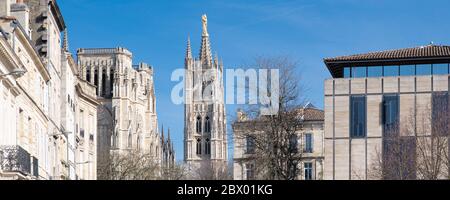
382	108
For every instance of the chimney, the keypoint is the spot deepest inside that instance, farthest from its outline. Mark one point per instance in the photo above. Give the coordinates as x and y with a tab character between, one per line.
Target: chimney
21	12
5	8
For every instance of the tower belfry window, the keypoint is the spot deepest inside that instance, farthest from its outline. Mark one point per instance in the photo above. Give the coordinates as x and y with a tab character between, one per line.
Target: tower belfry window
207	125
199	124
208	147
199	146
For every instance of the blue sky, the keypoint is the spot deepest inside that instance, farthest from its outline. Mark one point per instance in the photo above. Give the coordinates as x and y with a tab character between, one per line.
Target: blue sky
306	31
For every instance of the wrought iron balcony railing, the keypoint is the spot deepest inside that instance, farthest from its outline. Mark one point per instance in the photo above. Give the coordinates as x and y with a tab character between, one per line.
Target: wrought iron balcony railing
16	159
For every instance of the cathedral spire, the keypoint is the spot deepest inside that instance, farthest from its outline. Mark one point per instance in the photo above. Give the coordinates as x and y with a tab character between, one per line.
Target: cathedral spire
162	133
188	49
205	49
168	136
216	60
66	41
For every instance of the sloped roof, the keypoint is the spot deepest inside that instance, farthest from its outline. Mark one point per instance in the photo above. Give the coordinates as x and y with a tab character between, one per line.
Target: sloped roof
415	52
416	55
312	114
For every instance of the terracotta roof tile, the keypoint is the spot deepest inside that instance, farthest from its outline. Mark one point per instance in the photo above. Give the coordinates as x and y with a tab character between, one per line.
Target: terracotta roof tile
408	53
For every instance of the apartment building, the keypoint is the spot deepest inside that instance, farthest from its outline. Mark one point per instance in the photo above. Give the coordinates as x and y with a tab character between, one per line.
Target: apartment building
41	91
308	141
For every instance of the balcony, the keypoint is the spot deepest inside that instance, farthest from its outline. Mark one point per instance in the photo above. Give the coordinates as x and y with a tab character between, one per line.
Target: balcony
15	159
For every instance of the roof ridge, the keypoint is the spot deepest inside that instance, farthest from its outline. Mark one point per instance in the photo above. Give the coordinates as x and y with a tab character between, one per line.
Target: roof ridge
400	50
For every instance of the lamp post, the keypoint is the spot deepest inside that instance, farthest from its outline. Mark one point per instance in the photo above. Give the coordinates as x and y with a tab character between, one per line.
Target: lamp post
17	72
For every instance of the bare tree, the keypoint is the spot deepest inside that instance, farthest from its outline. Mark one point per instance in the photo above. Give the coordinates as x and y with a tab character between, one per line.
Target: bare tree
212	171
275	154
176	171
130	166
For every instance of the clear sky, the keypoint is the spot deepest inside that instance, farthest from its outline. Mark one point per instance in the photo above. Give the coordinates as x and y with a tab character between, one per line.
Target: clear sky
307	31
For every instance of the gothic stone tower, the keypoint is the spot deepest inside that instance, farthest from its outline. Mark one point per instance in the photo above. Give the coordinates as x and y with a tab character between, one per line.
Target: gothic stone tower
205	138
127	118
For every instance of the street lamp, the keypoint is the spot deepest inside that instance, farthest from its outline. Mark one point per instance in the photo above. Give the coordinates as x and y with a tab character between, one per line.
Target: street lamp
60	134
83	163
16	72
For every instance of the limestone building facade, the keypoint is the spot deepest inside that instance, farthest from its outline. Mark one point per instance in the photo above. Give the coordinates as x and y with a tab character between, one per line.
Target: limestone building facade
309	141
379	100
42	142
205	135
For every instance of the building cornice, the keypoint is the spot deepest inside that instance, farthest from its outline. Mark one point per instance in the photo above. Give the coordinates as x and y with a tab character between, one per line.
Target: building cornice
23	38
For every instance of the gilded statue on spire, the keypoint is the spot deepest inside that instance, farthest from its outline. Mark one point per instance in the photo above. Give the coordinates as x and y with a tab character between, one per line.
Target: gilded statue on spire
205	25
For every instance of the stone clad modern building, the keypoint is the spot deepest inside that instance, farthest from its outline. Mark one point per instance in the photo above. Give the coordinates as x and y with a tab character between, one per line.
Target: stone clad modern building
205	135
309	141
375	97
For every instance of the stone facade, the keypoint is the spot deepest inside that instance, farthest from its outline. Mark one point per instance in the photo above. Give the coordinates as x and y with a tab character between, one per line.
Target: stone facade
45	118
127	119
355	157
312	156
205	135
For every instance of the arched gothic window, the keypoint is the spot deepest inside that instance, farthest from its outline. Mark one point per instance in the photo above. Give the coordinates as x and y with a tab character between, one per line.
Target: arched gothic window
208	147
114	139
207	125
130	140
138	143
199	124
151	150
199	146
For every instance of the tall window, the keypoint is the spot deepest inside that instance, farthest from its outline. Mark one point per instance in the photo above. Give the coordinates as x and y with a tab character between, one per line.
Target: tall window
138	143
308	143
391	114
250	171
114	139
199	146
309	171
207	125
440	114
358	116
199	125
293	143
208	147
130	140
250	145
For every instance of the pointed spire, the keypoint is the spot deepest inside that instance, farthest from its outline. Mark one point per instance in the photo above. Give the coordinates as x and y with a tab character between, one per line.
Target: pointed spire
205	49
162	133
216	60
168	136
188	49
66	41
